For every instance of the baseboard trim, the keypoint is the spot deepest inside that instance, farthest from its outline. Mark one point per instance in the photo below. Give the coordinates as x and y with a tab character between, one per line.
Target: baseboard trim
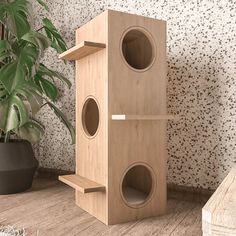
51	173
188	193
178	192
182	188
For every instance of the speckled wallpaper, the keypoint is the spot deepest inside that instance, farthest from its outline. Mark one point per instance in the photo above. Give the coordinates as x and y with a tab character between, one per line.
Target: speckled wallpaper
201	58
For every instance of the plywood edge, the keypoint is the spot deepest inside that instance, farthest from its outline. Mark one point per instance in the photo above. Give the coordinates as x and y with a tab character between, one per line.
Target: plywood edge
81	184
209	229
111	11
143	117
219	210
81	50
219	195
206	216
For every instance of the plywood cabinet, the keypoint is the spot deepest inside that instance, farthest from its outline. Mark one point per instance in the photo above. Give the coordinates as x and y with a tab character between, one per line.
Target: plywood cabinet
120	117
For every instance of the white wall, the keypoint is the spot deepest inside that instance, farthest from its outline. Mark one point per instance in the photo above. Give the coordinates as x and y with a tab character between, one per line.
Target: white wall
201	84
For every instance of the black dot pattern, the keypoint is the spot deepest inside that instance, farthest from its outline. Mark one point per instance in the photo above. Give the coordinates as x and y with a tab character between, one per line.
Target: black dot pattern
201	56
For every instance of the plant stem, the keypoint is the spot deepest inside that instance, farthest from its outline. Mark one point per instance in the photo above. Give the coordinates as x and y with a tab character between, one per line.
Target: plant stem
2	31
6	138
44	105
40	29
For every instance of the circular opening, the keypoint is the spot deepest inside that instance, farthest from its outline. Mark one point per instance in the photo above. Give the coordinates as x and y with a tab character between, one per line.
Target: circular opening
90	117
137	185
137	49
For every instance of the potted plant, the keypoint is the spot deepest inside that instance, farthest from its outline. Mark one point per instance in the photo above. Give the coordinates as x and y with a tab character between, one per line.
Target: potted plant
26	85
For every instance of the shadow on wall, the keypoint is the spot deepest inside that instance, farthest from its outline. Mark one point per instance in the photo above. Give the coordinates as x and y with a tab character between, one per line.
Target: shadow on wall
198	143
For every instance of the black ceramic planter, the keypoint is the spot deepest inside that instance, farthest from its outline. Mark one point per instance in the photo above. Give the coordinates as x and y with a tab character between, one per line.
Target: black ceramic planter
17	166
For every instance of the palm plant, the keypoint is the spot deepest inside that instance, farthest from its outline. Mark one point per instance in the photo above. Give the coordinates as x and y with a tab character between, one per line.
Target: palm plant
26	84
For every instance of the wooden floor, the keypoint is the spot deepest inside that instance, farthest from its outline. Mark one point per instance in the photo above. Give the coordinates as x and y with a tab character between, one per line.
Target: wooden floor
49	208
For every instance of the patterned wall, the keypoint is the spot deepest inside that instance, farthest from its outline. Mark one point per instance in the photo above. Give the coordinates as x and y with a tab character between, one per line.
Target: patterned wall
201	59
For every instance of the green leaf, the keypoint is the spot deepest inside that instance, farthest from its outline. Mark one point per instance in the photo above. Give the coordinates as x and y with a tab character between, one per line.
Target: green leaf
3	93
13	113
38	39
11	75
42	3
47	87
13	15
64	120
4	46
31	131
15	73
8	117
57	41
44	71
23	67
28	59
4	56
5	50
35	100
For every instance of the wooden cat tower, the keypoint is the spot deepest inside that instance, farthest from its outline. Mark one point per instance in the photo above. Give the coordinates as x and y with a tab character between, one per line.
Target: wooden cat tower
120	117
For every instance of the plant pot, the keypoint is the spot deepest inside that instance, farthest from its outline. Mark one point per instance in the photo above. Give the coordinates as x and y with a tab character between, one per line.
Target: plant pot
17	166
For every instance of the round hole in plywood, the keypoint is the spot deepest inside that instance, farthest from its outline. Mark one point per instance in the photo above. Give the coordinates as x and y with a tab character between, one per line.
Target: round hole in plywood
138	49
90	117
137	185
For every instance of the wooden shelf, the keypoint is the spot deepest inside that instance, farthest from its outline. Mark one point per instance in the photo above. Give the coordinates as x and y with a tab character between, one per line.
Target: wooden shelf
81	50
81	184
143	117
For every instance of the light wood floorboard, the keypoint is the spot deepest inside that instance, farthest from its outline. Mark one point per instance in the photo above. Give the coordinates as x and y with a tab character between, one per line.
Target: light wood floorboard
49	209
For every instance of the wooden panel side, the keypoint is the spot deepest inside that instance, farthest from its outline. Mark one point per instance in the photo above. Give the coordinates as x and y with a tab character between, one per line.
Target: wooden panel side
132	92
138	93
91	81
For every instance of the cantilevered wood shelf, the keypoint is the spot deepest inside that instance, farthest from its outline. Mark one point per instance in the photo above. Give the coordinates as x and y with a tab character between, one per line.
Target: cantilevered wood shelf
81	184
81	50
143	117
